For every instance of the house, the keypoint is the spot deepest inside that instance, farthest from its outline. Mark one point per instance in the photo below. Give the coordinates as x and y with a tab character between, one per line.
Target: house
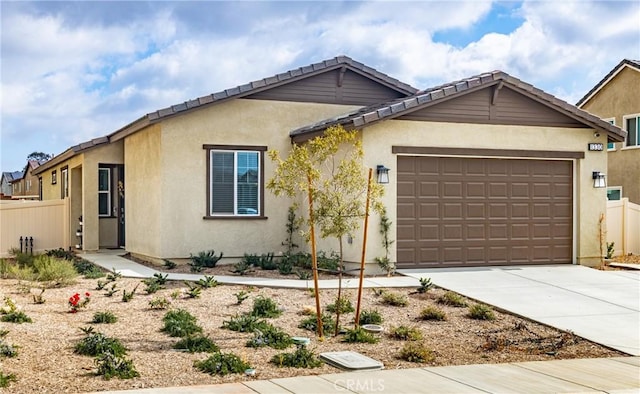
89	174
6	188
487	170
616	99
27	186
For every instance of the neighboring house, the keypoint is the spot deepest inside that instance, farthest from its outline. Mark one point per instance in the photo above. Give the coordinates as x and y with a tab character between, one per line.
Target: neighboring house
89	174
6	188
616	99
27	187
484	171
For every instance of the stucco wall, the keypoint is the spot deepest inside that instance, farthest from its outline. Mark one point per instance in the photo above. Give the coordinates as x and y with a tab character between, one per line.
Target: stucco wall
589	201
614	100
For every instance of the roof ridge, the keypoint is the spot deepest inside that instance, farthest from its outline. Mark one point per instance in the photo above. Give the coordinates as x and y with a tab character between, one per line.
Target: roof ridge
610	74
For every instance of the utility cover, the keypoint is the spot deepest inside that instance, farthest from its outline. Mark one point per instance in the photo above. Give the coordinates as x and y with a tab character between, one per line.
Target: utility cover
351	361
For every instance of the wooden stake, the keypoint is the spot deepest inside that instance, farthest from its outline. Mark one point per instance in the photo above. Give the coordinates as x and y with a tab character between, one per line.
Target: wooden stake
364	250
314	261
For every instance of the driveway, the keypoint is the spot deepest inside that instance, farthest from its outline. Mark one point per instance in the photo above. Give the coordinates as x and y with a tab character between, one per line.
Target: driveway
602	306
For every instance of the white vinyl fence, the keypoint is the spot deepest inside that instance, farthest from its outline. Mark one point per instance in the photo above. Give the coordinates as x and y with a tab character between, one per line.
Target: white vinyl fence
47	222
623	226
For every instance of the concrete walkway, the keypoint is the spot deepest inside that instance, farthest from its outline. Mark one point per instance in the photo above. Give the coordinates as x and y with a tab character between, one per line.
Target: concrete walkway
602	306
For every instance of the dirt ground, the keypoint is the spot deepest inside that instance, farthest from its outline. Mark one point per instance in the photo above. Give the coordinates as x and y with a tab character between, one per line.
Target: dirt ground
46	362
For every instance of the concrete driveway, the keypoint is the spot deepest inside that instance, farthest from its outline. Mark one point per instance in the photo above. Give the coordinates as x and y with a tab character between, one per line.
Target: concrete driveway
602	306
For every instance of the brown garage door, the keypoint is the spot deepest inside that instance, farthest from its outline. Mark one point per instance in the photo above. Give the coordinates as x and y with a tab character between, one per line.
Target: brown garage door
483	211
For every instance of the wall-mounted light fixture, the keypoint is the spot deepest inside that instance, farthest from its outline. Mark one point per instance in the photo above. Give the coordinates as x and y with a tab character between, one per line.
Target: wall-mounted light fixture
382	173
599	179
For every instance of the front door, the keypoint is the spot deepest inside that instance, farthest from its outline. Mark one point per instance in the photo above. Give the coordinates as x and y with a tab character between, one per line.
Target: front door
120	197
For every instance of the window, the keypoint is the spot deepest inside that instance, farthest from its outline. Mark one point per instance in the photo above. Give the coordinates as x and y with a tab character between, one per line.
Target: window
64	175
614	193
235	181
104	191
54	177
28	185
611	145
632	125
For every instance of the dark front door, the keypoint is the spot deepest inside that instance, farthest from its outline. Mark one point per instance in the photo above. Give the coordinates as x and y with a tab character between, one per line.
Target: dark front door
120	197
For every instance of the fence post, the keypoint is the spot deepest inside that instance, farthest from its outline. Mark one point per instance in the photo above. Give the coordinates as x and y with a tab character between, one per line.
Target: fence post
625	230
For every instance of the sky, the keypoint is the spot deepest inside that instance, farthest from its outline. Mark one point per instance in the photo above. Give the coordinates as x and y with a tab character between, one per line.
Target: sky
73	71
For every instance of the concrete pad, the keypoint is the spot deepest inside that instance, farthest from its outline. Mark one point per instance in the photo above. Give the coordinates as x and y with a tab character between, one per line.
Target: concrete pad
628	360
410	381
507	378
599	374
225	388
570	274
266	387
624	295
308	384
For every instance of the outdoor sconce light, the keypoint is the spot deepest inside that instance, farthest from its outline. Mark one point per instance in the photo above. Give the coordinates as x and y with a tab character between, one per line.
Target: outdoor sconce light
599	179
382	173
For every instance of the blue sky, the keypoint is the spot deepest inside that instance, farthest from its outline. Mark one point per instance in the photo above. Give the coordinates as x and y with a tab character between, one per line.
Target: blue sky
72	71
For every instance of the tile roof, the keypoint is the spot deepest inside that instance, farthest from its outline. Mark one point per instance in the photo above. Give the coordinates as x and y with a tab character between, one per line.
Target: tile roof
372	114
624	63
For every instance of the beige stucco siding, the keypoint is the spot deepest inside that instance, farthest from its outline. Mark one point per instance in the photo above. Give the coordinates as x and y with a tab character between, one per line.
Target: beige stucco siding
172	224
616	99
589	202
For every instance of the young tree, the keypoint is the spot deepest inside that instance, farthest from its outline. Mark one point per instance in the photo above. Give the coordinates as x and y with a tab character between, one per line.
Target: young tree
39	156
330	169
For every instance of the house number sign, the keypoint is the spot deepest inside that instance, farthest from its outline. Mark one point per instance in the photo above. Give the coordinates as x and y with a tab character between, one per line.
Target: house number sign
596	146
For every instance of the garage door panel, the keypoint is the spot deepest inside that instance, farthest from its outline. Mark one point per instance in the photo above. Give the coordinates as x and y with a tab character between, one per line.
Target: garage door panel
473	211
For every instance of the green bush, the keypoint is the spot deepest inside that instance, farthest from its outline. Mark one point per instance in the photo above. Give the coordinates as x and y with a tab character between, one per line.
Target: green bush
271	336
168	264
241	296
197	344
425	285
432	313
222	364
242	267
22	259
180	323
244	323
128	295
24	273
104	318
416	352
405	333
359	335
57	271
111	365
207	282
267	262
311	323
301	358
152	287
87	269
370	317
206	259
159	303
481	312
6	379
95	344
342	305
193	291
452	299
7	350
265	307
61	253
285	266
394	299
18	317
329	263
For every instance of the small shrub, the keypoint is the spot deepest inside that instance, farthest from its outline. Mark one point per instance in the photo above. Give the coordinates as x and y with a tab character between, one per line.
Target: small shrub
6	379
61	253
242	267
610	250
416	352
394	299
152	287
11	313
25	273
175	294
304	275
168	264
113	275
271	336
267	262
386	264
39	298
160	278
180	323
222	364
57	271
22	259
100	285
378	292
301	358
207	282
285	266
481	312
370	317
425	285
113	290
241	296
405	333
111	365
128	295
193	290
95	344
342	305
7	350
104	318
328	263
244	323
206	259
87	268
159	303
452	299
432	313
311	323
265	307
358	335
76	303
197	344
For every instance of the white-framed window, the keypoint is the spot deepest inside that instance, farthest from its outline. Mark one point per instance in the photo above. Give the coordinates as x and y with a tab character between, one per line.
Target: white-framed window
614	193
235	177
64	175
631	123
54	177
611	145
104	191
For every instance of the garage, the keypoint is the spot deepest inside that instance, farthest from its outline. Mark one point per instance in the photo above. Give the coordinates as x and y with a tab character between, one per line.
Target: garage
480	211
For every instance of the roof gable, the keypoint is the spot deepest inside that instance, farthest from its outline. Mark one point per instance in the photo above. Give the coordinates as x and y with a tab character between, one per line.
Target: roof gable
523	104
625	63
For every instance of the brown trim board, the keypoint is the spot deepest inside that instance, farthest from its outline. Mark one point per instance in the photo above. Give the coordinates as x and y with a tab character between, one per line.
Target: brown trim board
541	154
